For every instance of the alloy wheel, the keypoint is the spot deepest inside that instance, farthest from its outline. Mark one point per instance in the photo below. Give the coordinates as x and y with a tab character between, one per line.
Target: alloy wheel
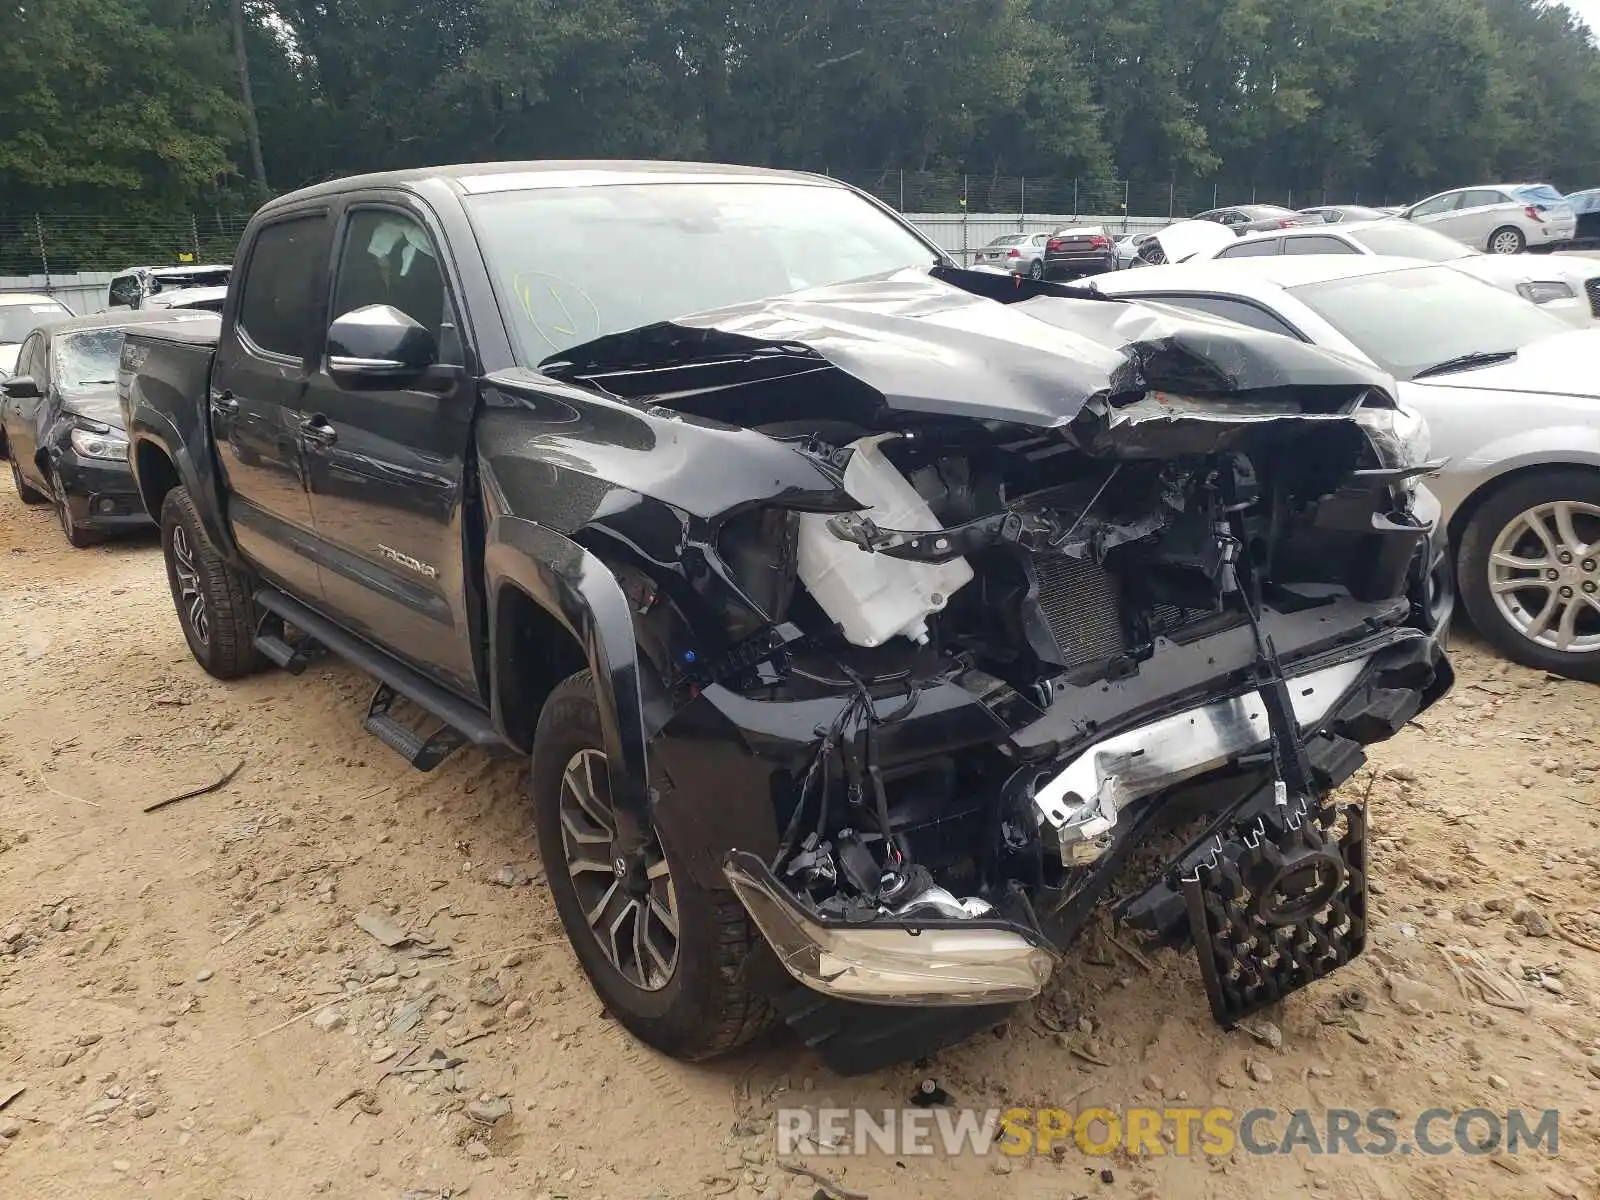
637	934
1544	575
1505	242
191	598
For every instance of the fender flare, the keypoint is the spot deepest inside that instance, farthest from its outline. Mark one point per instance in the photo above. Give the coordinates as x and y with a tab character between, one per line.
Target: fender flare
578	590
153	429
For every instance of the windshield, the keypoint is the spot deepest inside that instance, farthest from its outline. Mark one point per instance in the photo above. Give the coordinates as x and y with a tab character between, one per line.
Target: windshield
1260	211
574	264
17	321
87	362
1408	320
1405	240
1014	239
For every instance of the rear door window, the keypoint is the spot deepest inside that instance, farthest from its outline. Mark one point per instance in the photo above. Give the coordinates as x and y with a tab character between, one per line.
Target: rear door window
1264	248
1241	312
279	307
1319	244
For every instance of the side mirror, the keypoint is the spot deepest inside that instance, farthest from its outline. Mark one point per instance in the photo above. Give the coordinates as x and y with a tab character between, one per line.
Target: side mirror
378	345
21	387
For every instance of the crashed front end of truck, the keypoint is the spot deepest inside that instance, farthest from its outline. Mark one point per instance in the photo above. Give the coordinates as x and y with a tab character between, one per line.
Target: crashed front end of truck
966	604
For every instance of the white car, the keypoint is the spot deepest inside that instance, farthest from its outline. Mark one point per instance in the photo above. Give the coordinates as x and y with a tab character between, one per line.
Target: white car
1510	396
1567	287
1502	218
20	314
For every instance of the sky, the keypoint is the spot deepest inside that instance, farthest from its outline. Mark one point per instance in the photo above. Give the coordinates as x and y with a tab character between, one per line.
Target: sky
1588	12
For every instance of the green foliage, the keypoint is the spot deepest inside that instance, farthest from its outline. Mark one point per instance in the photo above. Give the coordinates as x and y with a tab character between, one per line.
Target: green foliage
107	101
102	99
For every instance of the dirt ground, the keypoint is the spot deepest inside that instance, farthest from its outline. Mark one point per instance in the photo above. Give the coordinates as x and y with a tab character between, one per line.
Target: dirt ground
166	976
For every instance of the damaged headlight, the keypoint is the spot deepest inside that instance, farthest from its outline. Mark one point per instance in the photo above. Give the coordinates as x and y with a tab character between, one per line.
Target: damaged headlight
1399	435
889	964
99	443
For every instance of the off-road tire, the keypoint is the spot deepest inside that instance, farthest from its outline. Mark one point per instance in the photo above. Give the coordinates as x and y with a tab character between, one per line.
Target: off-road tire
1472	567
26	494
1495	238
704	1009
77	536
227	650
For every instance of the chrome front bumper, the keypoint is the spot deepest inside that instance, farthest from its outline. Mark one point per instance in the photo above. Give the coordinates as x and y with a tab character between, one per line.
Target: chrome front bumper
1077	807
939	962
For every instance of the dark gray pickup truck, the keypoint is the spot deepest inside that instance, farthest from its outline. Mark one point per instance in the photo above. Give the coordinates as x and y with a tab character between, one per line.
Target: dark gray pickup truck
860	624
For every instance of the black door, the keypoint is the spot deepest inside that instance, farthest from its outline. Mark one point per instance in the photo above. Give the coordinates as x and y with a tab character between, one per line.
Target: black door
257	395
386	463
22	413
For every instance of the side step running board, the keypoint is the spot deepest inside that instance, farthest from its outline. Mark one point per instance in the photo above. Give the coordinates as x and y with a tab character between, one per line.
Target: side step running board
422	753
463	721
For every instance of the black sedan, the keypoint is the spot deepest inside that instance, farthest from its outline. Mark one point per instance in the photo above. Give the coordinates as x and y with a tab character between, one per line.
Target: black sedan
63	426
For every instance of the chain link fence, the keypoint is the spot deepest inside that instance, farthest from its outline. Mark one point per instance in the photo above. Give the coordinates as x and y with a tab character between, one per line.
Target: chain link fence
56	244
1141	200
44	251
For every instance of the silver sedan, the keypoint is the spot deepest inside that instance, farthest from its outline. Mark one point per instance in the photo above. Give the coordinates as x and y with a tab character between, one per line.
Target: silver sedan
1510	398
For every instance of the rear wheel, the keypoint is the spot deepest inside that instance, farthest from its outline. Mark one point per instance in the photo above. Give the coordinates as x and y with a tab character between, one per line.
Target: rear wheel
78	537
211	596
1036	269
1529	571
1507	239
668	962
25	493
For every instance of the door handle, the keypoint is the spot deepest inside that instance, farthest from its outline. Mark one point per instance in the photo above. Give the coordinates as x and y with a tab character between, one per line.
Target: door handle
224	404
317	429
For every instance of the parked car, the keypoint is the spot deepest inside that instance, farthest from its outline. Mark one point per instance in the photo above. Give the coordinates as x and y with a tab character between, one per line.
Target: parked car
1567	287
781	597
1015	253
20	314
1586	210
1509	394
1335	214
149	287
1250	218
64	430
1128	249
1079	250
1502	218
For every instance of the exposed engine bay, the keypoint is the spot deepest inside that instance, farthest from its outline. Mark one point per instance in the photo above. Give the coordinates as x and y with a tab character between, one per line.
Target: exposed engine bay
955	659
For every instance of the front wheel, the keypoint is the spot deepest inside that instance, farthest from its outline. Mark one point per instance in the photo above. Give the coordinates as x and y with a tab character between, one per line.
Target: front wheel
1529	571
667	962
78	537
1507	240
1036	269
212	597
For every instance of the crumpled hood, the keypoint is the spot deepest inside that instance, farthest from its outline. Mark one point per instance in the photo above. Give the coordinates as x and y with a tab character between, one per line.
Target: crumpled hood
100	406
938	342
1561	365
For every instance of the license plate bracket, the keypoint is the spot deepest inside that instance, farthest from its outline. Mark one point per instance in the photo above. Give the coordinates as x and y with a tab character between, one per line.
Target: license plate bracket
1278	906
